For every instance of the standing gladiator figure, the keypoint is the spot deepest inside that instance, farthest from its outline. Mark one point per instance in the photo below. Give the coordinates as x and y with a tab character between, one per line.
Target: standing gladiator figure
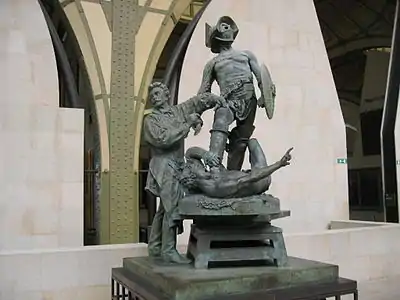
233	70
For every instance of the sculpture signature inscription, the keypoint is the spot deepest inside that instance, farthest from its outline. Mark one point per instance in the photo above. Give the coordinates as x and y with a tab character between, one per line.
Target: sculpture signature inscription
215	205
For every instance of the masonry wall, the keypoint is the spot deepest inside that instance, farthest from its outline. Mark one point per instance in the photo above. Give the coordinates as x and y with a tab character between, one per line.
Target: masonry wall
285	35
83	273
41	148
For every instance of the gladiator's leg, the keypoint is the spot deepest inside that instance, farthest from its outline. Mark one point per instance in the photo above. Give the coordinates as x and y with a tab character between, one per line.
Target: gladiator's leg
223	117
154	246
238	140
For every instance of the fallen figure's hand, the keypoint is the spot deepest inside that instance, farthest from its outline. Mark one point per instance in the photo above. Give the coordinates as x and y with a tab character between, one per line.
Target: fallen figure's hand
286	158
211	159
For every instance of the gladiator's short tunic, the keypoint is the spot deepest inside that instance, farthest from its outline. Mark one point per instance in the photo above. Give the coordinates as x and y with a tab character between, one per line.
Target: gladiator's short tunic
235	78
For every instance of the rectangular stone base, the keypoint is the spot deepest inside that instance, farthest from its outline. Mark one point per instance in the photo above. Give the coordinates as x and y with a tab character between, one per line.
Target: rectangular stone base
252	246
182	282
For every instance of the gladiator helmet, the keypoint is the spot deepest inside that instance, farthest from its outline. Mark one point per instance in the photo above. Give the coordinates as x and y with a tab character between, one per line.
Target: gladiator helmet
225	31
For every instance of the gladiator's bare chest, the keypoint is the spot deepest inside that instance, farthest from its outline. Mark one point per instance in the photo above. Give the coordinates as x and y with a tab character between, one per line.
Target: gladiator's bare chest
235	64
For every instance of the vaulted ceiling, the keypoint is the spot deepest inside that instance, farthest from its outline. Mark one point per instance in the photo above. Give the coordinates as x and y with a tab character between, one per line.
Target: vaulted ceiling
350	27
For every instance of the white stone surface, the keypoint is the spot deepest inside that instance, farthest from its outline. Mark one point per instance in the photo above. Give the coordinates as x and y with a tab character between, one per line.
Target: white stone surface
369	254
286	36
41	148
28	67
81	273
41	177
363	251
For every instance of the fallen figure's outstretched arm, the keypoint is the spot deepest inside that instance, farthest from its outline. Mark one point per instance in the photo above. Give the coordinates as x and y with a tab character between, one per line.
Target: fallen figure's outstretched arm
260	173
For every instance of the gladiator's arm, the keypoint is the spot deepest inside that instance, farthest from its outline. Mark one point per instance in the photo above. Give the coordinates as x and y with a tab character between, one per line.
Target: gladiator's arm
208	78
255	68
161	135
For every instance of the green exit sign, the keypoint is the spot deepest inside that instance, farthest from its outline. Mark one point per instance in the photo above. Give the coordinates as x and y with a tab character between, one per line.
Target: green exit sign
397	162
341	160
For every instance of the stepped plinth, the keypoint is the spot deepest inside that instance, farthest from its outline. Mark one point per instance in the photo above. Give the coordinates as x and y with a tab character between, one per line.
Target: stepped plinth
231	232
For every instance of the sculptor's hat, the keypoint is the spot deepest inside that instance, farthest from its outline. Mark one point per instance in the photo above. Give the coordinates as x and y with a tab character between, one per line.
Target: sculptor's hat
225	30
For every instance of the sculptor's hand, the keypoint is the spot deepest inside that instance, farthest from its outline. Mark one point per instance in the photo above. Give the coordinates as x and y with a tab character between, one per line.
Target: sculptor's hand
211	159
197	128
196	123
221	102
194	119
285	160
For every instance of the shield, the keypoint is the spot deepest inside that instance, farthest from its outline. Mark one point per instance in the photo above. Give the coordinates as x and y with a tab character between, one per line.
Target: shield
267	91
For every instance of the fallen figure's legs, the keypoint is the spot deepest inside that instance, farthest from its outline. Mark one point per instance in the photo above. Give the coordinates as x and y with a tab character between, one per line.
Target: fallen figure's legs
258	161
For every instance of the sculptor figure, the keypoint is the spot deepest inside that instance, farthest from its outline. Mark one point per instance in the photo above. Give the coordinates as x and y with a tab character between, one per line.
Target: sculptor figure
233	70
229	183
164	129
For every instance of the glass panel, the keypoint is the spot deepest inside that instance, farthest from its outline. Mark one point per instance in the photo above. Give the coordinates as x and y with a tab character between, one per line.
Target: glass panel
354	195
370	130
369	187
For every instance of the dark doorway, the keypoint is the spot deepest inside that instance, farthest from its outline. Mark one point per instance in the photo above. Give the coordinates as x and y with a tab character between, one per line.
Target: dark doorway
357	35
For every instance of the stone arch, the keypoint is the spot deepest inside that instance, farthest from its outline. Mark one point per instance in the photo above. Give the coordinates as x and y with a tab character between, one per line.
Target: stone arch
173	12
90	24
164	30
140	32
353	27
86	20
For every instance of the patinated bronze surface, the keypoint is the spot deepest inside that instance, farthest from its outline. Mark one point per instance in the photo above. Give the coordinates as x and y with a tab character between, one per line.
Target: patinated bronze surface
164	129
200	174
224	183
128	286
233	70
233	249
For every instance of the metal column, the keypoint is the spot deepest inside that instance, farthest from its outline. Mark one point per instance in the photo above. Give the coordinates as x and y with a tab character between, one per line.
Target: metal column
389	176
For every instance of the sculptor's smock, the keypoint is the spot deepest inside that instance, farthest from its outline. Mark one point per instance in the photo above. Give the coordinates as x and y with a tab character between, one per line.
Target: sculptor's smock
164	130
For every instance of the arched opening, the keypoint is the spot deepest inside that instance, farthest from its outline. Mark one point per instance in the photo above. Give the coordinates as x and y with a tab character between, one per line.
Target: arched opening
360	78
147	201
75	92
175	50
357	35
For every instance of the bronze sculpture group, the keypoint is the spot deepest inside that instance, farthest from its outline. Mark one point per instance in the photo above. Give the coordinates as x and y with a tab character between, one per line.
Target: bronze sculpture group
199	173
